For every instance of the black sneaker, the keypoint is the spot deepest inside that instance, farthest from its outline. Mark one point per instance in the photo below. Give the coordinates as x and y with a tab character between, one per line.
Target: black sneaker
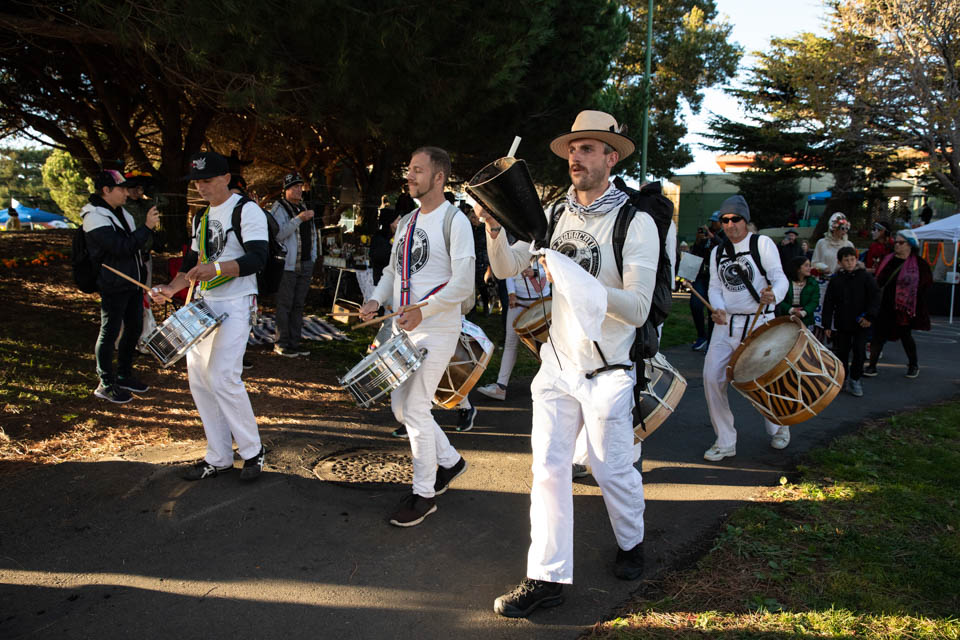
446	476
132	384
527	596
252	467
580	471
629	564
465	419
113	393
913	371
870	371
412	510
202	470
246	363
400	432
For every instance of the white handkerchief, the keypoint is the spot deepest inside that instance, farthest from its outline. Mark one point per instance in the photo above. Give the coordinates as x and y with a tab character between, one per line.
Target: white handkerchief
579	308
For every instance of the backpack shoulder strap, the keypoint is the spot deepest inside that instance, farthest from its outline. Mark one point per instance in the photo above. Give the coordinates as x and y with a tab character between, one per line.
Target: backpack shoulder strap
624	218
448	225
755	254
556	211
235	219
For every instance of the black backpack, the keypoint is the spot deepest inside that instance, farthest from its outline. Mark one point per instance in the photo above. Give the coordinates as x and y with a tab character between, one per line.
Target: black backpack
268	278
85	270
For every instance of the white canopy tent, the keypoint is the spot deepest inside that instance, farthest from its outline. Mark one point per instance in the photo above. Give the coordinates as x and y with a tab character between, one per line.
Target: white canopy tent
946	231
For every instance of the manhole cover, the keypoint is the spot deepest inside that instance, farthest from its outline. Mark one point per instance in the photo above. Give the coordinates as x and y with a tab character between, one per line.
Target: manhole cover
366	468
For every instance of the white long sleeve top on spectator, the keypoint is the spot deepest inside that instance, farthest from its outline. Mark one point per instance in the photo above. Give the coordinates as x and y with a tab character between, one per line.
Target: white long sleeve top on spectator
588	240
432	265
523	287
727	290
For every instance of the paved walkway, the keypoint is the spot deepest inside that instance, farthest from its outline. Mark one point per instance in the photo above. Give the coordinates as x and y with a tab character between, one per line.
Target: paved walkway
125	549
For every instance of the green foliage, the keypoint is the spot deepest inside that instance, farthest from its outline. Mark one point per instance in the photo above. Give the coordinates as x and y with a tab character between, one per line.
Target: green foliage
691	52
63	177
20	178
771	188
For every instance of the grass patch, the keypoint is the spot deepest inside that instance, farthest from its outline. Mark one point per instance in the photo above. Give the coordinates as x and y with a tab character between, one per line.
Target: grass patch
865	544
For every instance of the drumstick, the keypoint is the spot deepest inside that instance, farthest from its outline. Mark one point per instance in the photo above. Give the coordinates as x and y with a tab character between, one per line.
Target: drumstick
697	293
189	293
136	282
755	317
389	315
513	147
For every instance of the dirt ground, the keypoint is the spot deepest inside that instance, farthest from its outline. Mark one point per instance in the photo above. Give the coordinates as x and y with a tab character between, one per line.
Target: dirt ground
48	412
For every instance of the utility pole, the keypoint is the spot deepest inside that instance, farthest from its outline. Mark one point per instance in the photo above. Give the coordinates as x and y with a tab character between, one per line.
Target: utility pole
646	94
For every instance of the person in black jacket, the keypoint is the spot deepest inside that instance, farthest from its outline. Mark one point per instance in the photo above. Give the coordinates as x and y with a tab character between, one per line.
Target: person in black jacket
850	306
113	239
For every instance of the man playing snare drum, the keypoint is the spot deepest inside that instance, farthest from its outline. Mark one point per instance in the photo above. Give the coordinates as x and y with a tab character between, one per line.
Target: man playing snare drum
423	267
226	272
737	287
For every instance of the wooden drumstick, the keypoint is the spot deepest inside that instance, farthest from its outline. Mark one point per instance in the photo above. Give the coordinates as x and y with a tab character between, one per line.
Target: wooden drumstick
189	293
136	282
755	317
697	293
389	315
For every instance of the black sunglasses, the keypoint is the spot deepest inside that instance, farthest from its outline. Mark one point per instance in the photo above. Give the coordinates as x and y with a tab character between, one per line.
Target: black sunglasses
730	219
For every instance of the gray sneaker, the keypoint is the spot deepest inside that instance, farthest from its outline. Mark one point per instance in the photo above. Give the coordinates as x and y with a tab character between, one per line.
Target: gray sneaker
580	471
113	393
855	388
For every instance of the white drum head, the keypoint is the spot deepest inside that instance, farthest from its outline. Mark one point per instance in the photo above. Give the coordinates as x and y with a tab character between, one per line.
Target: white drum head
765	351
533	316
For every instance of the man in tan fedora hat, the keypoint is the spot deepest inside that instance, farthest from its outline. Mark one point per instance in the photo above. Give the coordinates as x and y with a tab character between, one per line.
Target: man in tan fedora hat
585	385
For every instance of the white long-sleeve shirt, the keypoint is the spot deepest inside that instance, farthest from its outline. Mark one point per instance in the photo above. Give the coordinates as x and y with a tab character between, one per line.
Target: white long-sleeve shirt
727	290
588	240
432	265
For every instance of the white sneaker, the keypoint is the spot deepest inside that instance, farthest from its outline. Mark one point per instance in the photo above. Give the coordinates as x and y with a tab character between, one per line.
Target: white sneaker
781	438
493	390
716	453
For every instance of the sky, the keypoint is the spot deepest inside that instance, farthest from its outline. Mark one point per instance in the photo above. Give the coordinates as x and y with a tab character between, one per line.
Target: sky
754	23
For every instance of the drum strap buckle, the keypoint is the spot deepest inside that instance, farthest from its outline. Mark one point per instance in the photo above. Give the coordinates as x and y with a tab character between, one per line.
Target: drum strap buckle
606	367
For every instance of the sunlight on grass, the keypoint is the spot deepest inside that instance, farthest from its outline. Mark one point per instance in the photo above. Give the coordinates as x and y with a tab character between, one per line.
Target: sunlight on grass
865	544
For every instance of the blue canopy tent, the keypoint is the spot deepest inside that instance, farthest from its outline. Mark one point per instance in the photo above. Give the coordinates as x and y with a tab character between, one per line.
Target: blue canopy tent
35	218
814	199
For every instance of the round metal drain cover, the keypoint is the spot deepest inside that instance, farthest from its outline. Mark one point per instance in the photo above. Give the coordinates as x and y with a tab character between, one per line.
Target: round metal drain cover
366	468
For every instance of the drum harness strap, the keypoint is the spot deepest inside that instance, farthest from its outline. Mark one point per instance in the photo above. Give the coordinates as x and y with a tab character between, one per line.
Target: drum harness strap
727	247
405	265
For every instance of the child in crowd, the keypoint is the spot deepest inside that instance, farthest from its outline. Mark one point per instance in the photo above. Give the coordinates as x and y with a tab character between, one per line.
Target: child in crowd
804	293
851	304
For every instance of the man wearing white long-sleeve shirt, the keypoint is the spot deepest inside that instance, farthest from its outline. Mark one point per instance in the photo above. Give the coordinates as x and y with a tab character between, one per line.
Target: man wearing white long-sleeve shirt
588	384
423	268
737	286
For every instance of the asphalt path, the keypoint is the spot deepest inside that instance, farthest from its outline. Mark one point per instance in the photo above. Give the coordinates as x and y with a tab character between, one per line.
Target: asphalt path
124	548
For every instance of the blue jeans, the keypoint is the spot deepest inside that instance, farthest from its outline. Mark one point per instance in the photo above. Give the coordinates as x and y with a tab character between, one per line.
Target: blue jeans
124	309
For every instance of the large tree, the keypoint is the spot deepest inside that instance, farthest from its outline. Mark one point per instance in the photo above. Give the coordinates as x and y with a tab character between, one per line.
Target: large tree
21	178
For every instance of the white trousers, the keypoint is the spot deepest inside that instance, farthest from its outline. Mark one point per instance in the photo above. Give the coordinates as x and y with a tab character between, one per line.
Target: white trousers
562	402
510	344
214	367
722	346
580	455
411	403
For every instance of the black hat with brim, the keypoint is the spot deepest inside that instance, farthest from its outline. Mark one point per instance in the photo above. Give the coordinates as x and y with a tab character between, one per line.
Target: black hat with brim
207	164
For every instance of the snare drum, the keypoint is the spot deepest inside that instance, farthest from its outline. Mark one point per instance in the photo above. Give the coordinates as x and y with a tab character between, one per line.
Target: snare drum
467	365
533	325
384	370
785	372
185	327
661	397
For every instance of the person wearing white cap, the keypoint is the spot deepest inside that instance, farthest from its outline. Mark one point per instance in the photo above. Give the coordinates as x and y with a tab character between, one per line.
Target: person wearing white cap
745	271
584	385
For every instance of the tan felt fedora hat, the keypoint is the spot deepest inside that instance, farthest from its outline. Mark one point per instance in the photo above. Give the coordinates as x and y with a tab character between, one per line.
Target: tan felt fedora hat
595	125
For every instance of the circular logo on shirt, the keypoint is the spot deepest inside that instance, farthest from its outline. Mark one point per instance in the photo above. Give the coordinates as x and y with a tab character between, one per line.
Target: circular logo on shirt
581	247
216	240
730	275
419	255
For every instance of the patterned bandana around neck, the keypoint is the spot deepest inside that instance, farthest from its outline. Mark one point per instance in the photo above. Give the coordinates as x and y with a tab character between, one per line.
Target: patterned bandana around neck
611	200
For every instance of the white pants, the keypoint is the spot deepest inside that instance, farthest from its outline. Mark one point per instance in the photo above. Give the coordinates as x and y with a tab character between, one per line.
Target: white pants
411	403
562	402
580	455
214	368
510	344
722	346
